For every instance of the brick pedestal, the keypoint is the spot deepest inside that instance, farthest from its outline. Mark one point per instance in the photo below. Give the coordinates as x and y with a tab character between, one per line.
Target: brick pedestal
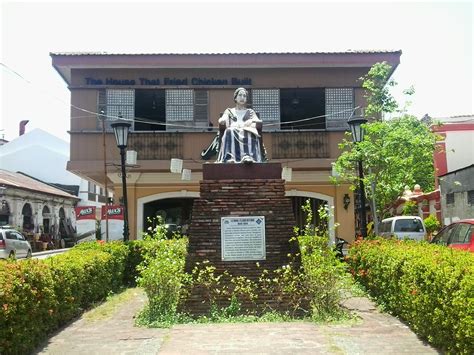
253	195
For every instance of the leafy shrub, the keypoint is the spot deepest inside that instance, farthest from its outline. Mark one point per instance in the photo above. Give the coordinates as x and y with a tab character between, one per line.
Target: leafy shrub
410	208
157	229
37	296
432	224
324	274
429	286
136	252
162	276
222	293
28	305
117	264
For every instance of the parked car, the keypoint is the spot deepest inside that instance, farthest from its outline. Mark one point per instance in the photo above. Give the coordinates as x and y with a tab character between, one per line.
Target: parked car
13	244
459	235
403	227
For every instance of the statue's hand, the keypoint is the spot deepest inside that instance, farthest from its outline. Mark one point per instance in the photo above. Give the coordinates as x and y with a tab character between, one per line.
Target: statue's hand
249	123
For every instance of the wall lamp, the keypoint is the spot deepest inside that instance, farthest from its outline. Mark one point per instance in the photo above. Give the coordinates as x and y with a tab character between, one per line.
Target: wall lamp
346	200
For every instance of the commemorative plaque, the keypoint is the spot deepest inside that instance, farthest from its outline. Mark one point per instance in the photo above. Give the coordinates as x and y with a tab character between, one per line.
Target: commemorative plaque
243	238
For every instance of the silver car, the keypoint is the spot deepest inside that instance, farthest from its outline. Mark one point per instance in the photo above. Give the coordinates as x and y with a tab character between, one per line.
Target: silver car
13	244
403	227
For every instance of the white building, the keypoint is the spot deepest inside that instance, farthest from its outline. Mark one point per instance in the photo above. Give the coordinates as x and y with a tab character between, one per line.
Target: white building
454	162
33	206
456	144
44	157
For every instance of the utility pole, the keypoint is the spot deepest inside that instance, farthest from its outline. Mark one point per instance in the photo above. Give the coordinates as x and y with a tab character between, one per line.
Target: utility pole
105	178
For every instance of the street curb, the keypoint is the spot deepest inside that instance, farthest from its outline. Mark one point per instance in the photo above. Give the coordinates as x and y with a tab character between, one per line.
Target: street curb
47	252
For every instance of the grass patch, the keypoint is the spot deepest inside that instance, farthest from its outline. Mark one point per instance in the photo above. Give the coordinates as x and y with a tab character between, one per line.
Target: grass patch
113	302
356	289
146	318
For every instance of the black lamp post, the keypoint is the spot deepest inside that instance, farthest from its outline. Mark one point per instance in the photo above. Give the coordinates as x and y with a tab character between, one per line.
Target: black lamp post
121	129
355	123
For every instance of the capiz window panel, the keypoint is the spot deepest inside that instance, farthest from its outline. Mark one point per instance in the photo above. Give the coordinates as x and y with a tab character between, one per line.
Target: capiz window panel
120	103
266	102
179	105
339	106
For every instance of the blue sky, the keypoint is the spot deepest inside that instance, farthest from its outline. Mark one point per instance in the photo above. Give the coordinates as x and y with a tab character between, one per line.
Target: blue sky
436	39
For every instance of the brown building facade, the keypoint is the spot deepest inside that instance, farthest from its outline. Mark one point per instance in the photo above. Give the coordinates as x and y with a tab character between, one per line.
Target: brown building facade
174	102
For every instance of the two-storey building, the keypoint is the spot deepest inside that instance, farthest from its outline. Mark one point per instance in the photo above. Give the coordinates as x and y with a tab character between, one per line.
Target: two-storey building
174	101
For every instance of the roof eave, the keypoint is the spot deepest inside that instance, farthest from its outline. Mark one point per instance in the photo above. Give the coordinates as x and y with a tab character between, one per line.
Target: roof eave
64	63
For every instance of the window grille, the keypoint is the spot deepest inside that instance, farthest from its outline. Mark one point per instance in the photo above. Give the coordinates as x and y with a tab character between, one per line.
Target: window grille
266	102
450	198
201	101
339	106
115	103
120	103
470	197
179	105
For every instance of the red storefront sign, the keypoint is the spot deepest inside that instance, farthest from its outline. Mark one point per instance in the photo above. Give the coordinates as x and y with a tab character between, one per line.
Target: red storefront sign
114	212
84	212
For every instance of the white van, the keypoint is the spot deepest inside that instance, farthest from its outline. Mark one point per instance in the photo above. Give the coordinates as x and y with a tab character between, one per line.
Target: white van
403	227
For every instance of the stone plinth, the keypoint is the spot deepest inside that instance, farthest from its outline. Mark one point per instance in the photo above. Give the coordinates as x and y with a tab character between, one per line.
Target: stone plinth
240	197
241	171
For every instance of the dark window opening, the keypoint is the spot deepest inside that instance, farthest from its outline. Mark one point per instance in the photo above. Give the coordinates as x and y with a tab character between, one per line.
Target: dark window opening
201	108
450	198
175	212
150	105
27	213
300	216
298	104
470	197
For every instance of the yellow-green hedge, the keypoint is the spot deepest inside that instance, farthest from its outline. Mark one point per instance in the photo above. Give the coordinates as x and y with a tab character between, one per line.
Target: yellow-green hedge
38	296
431	287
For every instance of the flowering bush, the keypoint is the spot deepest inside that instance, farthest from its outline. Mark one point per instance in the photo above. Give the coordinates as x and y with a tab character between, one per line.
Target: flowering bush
429	286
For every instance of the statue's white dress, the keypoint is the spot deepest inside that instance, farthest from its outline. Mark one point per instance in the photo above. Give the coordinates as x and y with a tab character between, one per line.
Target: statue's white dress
240	141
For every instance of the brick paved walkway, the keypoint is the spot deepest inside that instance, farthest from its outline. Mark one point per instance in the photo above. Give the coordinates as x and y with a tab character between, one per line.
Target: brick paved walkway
376	333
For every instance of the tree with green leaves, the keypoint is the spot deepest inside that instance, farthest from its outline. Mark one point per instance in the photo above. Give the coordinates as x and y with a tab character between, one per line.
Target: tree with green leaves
395	152
377	84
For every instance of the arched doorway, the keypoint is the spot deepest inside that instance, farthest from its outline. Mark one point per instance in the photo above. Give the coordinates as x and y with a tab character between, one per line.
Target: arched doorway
46	219
4	213
62	214
317	200
173	211
62	223
27	215
300	216
174	207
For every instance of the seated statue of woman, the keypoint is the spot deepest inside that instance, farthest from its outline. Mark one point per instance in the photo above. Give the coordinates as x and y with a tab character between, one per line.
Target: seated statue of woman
240	141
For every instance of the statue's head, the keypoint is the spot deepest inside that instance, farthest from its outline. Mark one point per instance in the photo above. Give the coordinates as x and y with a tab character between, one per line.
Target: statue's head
240	96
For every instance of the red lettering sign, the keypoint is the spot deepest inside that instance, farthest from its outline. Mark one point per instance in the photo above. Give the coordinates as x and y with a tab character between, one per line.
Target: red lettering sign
85	212
114	212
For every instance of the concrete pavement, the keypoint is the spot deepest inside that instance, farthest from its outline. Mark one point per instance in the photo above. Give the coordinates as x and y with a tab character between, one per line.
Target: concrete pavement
375	333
